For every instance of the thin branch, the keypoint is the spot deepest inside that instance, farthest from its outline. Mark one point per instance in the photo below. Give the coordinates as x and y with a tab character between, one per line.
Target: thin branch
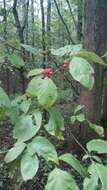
72	15
67	29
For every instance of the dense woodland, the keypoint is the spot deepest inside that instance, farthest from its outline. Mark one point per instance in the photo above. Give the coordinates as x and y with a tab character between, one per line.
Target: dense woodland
53	94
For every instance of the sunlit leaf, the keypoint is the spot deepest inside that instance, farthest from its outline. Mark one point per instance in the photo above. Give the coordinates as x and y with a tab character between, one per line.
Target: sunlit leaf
29	166
14	152
97	145
43	147
82	72
60	180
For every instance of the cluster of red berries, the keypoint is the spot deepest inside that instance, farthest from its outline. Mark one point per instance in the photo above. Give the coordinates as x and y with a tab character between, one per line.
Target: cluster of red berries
48	72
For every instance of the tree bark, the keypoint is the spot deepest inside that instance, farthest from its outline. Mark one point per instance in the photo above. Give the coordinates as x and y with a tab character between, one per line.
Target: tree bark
48	29
80	20
95	39
43	32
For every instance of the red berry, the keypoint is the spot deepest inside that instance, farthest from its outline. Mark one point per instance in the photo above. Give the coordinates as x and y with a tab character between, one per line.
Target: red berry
48	72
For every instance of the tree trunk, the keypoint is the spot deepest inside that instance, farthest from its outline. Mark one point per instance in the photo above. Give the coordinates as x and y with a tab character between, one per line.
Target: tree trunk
48	29
80	19
95	39
43	32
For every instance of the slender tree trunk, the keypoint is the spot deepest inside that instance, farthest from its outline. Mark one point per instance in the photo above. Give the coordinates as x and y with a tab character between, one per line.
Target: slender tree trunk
66	27
43	32
20	28
48	29
33	27
5	38
80	19
95	39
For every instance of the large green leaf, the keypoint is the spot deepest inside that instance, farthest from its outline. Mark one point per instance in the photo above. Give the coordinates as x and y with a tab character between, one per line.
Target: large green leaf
72	161
91	182
101	171
55	125
82	72
44	89
97	145
43	147
68	49
34	86
25	129
35	72
16	60
60	180
4	99
14	152
91	56
29	166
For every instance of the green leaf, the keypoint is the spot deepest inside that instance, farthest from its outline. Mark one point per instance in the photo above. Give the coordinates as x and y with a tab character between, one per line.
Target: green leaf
25	129
38	118
45	91
91	182
68	49
91	56
98	129
16	60
34	87
48	93
4	99
82	72
29	166
55	125
73	119
101	171
44	148
75	163
60	180
78	108
14	152
97	145
80	117
35	72
24	106
29	48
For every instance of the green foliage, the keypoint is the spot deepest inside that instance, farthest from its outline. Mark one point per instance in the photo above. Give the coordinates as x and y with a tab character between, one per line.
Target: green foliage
75	163
4	99
29	48
97	145
25	113
55	125
25	129
43	147
82	72
60	180
68	49
16	60
29	166
14	152
35	72
45	91
92	182
91	56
